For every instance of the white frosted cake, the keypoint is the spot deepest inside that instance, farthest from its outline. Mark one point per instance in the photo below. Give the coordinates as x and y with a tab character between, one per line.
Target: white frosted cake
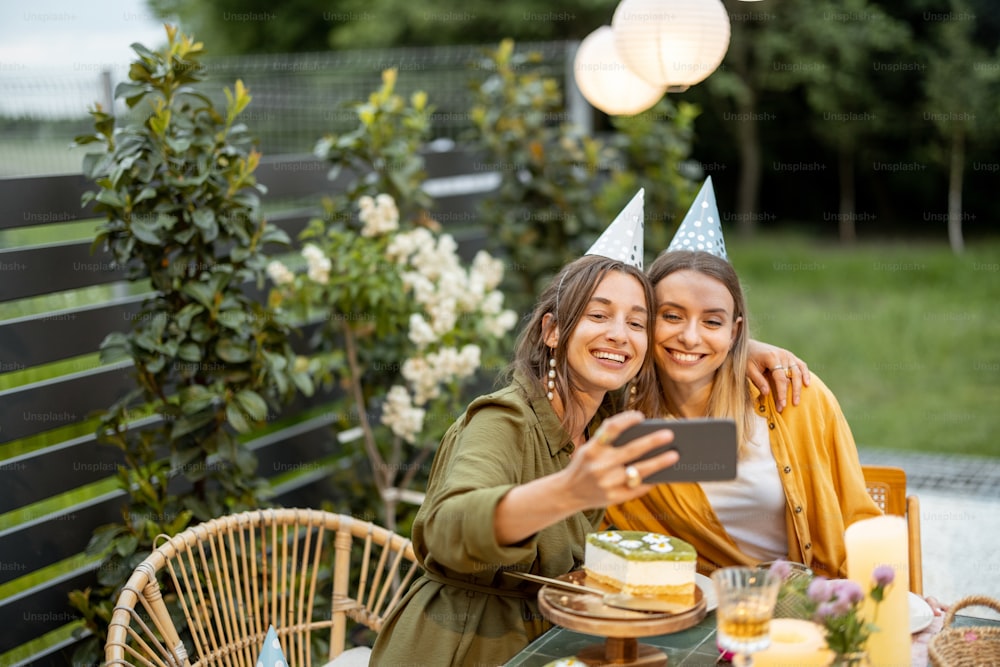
640	563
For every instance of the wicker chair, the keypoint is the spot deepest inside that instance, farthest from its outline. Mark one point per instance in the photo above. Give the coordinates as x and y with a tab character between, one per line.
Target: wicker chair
235	576
887	487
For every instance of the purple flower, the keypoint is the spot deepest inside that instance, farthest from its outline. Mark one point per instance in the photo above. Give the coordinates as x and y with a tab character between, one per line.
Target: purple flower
825	610
781	569
883	575
819	589
848	591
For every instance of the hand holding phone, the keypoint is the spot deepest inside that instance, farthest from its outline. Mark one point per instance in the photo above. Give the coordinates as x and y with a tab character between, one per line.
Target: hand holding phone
707	448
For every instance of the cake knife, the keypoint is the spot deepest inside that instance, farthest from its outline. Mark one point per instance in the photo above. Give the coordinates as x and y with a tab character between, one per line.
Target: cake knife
610	598
556	583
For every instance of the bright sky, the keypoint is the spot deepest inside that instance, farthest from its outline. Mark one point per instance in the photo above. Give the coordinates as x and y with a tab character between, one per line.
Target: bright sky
70	33
59	41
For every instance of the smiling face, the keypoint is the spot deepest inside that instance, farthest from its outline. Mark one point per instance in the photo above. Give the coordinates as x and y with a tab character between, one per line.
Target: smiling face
608	344
695	329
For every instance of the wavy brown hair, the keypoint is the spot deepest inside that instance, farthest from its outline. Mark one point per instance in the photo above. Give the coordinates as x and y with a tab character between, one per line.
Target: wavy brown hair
566	298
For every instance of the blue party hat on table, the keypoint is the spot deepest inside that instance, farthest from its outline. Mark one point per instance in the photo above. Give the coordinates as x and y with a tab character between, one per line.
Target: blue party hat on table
271	654
622	240
701	228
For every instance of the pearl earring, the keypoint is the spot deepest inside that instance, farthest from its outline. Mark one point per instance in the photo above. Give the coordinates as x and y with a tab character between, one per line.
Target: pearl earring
552	379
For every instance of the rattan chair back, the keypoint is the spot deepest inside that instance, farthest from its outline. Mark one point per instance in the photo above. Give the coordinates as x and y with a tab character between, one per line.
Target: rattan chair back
307	572
887	487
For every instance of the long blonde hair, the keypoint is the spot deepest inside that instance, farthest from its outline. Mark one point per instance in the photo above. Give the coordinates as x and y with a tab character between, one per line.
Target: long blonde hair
730	396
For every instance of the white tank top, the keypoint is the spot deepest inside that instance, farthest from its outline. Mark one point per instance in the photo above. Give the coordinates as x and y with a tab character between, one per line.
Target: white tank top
752	506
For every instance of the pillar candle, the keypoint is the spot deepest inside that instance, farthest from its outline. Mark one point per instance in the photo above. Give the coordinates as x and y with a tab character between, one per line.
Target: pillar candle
882	541
794	643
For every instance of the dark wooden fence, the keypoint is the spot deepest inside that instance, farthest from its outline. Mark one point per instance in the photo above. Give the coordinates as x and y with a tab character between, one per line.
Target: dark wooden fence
56	481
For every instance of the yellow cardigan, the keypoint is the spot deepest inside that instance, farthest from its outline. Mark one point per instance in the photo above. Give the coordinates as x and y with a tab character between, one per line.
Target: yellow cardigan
824	488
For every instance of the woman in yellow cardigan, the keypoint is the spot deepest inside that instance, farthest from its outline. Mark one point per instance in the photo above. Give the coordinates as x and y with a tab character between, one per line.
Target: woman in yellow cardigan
799	481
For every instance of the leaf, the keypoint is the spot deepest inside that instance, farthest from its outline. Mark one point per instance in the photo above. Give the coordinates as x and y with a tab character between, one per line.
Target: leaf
114	348
232	351
146	230
183	318
236	419
126	545
189	352
201	293
195	398
186	425
102	538
252	404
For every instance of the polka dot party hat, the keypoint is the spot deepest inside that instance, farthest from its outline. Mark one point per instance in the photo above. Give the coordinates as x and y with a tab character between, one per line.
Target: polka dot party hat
701	228
271	654
622	240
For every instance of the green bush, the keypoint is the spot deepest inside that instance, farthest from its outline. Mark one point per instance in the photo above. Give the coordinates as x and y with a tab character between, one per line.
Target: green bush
179	197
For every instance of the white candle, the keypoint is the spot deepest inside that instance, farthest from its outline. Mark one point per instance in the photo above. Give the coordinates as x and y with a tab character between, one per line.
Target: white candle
794	643
870	543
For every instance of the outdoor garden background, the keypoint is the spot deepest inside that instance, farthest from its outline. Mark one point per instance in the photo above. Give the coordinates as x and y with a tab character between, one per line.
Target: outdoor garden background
853	148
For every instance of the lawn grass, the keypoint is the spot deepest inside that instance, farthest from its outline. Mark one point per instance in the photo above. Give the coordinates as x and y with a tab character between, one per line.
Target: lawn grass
906	335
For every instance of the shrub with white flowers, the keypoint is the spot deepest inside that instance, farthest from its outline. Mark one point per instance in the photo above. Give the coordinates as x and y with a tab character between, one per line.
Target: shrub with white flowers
404	324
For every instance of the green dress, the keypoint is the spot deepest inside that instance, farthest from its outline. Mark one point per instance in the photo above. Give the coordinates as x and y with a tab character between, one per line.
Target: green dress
463	611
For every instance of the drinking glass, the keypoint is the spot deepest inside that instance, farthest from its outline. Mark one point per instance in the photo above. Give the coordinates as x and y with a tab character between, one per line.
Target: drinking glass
746	606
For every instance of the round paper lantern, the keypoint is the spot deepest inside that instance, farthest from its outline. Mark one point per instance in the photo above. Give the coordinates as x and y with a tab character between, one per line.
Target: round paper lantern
671	43
606	82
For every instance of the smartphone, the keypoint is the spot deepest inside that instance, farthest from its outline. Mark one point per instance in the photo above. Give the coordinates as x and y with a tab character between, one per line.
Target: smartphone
707	448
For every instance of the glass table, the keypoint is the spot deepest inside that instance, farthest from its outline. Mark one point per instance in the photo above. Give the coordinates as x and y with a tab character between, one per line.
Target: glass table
694	647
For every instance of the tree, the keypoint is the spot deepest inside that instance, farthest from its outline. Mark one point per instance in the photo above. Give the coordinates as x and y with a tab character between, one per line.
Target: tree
734	91
832	50
298	26
961	88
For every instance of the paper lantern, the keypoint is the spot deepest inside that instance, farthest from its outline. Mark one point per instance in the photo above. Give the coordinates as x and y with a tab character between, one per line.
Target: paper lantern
606	82
671	43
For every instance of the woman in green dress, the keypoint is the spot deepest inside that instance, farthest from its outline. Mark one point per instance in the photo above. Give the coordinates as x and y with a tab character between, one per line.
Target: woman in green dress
522	476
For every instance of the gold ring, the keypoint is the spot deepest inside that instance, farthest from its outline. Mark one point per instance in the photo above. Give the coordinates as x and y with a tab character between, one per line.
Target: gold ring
788	371
632	477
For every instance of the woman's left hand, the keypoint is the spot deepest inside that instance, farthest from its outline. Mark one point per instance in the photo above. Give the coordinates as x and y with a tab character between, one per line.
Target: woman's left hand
775	367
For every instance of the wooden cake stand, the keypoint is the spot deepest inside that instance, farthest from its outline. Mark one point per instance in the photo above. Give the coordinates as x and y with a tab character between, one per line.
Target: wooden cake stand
587	613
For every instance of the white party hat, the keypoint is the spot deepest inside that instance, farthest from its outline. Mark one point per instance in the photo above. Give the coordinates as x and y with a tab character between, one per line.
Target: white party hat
622	240
701	228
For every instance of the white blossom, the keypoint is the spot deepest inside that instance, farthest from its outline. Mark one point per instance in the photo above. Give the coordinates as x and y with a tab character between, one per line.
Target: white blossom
402	246
443	316
423	289
279	273
492	303
421	333
318	264
378	215
488	268
400	415
497	326
423	378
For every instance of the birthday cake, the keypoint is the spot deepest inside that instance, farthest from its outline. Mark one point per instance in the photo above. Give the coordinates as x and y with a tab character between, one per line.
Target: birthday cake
640	563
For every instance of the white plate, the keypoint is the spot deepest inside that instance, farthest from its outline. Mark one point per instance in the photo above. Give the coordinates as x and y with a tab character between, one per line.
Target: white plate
921	614
708	591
